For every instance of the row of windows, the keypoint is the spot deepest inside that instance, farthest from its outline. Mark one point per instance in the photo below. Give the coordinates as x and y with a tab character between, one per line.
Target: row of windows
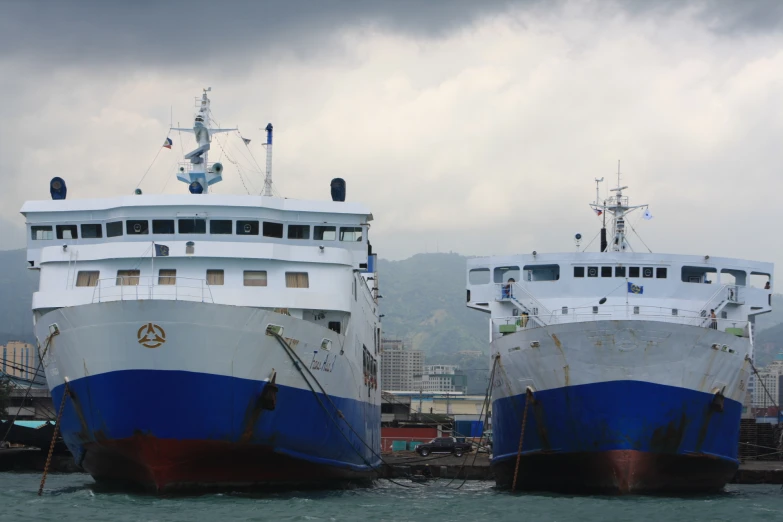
196	226
620	271
214	278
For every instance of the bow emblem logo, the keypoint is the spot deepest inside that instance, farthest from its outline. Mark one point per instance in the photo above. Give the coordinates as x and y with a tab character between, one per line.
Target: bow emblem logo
151	335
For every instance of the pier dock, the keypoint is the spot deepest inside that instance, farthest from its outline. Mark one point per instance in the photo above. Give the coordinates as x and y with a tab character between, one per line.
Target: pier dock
476	467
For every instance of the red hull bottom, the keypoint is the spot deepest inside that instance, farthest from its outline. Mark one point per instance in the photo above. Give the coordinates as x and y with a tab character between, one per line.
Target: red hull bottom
616	472
164	465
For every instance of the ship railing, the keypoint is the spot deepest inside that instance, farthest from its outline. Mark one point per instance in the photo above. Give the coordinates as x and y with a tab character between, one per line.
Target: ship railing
502	326
518	294
137	288
724	295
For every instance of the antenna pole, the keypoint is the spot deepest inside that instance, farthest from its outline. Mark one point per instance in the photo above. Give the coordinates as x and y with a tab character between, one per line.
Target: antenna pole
268	178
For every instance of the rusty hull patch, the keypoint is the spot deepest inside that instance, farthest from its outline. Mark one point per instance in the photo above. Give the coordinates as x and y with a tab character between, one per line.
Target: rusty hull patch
84	434
266	399
538	413
667	439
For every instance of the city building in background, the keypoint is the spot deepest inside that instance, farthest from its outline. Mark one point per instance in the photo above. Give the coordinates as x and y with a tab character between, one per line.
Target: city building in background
19	360
766	388
400	365
441	378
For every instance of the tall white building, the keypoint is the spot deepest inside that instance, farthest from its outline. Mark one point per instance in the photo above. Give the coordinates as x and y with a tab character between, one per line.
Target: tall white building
766	386
400	366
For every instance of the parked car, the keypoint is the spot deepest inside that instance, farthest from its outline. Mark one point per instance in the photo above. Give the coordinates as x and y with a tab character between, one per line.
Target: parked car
444	445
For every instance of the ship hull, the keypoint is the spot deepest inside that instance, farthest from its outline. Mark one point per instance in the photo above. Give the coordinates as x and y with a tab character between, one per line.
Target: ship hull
198	411
621	407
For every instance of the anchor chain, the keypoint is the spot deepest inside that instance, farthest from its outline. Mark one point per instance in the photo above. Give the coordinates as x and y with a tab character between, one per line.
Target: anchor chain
528	398
66	392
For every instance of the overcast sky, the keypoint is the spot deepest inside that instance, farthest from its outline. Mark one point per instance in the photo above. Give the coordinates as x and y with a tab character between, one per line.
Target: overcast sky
466	126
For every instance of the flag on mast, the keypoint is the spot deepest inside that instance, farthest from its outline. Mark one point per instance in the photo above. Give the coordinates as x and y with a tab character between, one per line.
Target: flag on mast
598	211
647	215
246	140
168	143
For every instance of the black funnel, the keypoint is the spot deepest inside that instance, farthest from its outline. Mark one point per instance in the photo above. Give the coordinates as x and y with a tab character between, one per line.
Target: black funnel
338	189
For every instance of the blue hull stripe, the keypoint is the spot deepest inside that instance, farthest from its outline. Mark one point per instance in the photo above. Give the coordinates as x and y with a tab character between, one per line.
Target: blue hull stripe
191	406
617	415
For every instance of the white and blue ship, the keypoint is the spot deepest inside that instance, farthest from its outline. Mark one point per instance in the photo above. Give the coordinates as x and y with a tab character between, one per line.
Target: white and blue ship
210	340
628	370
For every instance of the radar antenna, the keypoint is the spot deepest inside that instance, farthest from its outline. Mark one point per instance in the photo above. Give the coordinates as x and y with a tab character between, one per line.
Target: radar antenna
198	173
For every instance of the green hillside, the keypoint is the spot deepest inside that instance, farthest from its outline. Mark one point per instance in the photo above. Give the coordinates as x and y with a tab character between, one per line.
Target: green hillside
424	303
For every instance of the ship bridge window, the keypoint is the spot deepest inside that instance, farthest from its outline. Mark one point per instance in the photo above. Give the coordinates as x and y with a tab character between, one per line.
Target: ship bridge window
220	226
41	233
247	228
350	234
633	271
273	229
92	231
162	226
760	280
215	277
114	229
67	232
504	273
660	272
478	276
647	272
128	277
606	271
579	271
542	272
297	280
592	271
699	274
137	227
192	226
87	278
619	271
298	231
325	233
255	277
733	277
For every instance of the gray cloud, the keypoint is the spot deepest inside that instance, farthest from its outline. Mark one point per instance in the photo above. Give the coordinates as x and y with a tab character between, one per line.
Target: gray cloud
468	126
169	33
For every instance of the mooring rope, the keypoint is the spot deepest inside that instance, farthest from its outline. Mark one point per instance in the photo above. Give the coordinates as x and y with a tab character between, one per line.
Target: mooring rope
483	417
27	393
299	364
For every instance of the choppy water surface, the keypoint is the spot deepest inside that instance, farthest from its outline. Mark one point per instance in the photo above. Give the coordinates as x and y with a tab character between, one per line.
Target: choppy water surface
75	497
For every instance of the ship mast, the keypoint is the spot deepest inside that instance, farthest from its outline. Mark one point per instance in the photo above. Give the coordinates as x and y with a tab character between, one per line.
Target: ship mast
198	173
617	205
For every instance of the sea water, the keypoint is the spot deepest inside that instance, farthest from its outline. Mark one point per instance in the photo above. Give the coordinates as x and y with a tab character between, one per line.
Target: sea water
76	497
